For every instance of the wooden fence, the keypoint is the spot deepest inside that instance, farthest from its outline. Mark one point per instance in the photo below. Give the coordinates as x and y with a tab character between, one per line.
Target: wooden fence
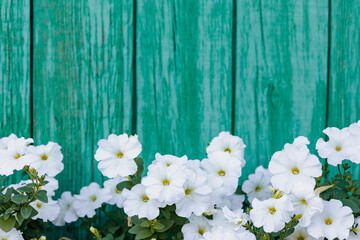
176	73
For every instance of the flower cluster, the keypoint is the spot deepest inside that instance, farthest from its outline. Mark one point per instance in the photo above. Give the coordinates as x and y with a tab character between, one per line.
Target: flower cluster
295	198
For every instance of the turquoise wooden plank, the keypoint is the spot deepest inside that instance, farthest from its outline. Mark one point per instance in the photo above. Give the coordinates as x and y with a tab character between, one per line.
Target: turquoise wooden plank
281	74
183	68
82	80
344	81
15	69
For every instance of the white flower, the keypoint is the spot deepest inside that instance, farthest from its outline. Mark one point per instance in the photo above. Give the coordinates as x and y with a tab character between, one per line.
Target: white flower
13	234
223	172
294	165
335	221
137	203
196	199
338	147
300	233
258	184
91	198
233	201
46	211
196	228
305	202
229	144
116	196
219	233
355	232
67	211
272	214
230	219
165	183
5	141
13	158
116	155
46	159
354	152
169	160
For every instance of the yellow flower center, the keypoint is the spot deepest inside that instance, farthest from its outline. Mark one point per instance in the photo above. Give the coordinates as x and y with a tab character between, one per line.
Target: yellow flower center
44	157
295	171
303	201
188	191
201	231
4	239
258	188
145	198
168	164
120	154
93	198
300	238
166	182
38	205
17	156
117	191
221	173
272	210
338	148
328	221
227	150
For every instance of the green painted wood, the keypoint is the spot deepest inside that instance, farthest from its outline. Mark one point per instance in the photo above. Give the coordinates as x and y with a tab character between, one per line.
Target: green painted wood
344	88
15	69
183	74
82	80
281	74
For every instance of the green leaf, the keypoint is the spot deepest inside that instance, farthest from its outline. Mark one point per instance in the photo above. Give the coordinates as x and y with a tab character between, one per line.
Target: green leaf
354	207
24	189
165	212
19	218
143	234
145	224
167	225
19	199
126	184
158	226
30	185
26	211
136	229
41	196
8	224
140	166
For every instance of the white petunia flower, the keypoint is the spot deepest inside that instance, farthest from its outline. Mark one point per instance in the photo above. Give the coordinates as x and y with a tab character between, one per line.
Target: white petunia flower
233	220
91	198
196	228
116	196
354	152
258	184
169	160
233	202
294	165
13	234
13	158
223	173
4	142
196	199
165	183
305	202
338	147
46	159
355	232
219	233
46	211
137	203
300	233
272	214
335	221
67	211
116	155
229	144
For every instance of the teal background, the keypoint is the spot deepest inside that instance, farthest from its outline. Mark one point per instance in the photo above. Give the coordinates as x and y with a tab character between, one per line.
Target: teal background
176	73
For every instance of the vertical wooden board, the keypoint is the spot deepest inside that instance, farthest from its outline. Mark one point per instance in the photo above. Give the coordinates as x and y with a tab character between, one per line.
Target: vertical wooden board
15	69
281	74
183	58
82	80
344	82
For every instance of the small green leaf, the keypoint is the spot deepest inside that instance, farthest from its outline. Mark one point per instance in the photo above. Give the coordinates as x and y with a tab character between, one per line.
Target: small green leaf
158	226
143	234
165	212
126	184
41	196
167	225
26	211
145	224
136	229
354	207
30	185
24	189
19	218
19	199
8	224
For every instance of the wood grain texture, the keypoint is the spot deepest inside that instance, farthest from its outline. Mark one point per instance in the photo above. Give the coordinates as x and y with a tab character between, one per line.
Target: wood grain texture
344	88
183	57
15	69
281	74
82	80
